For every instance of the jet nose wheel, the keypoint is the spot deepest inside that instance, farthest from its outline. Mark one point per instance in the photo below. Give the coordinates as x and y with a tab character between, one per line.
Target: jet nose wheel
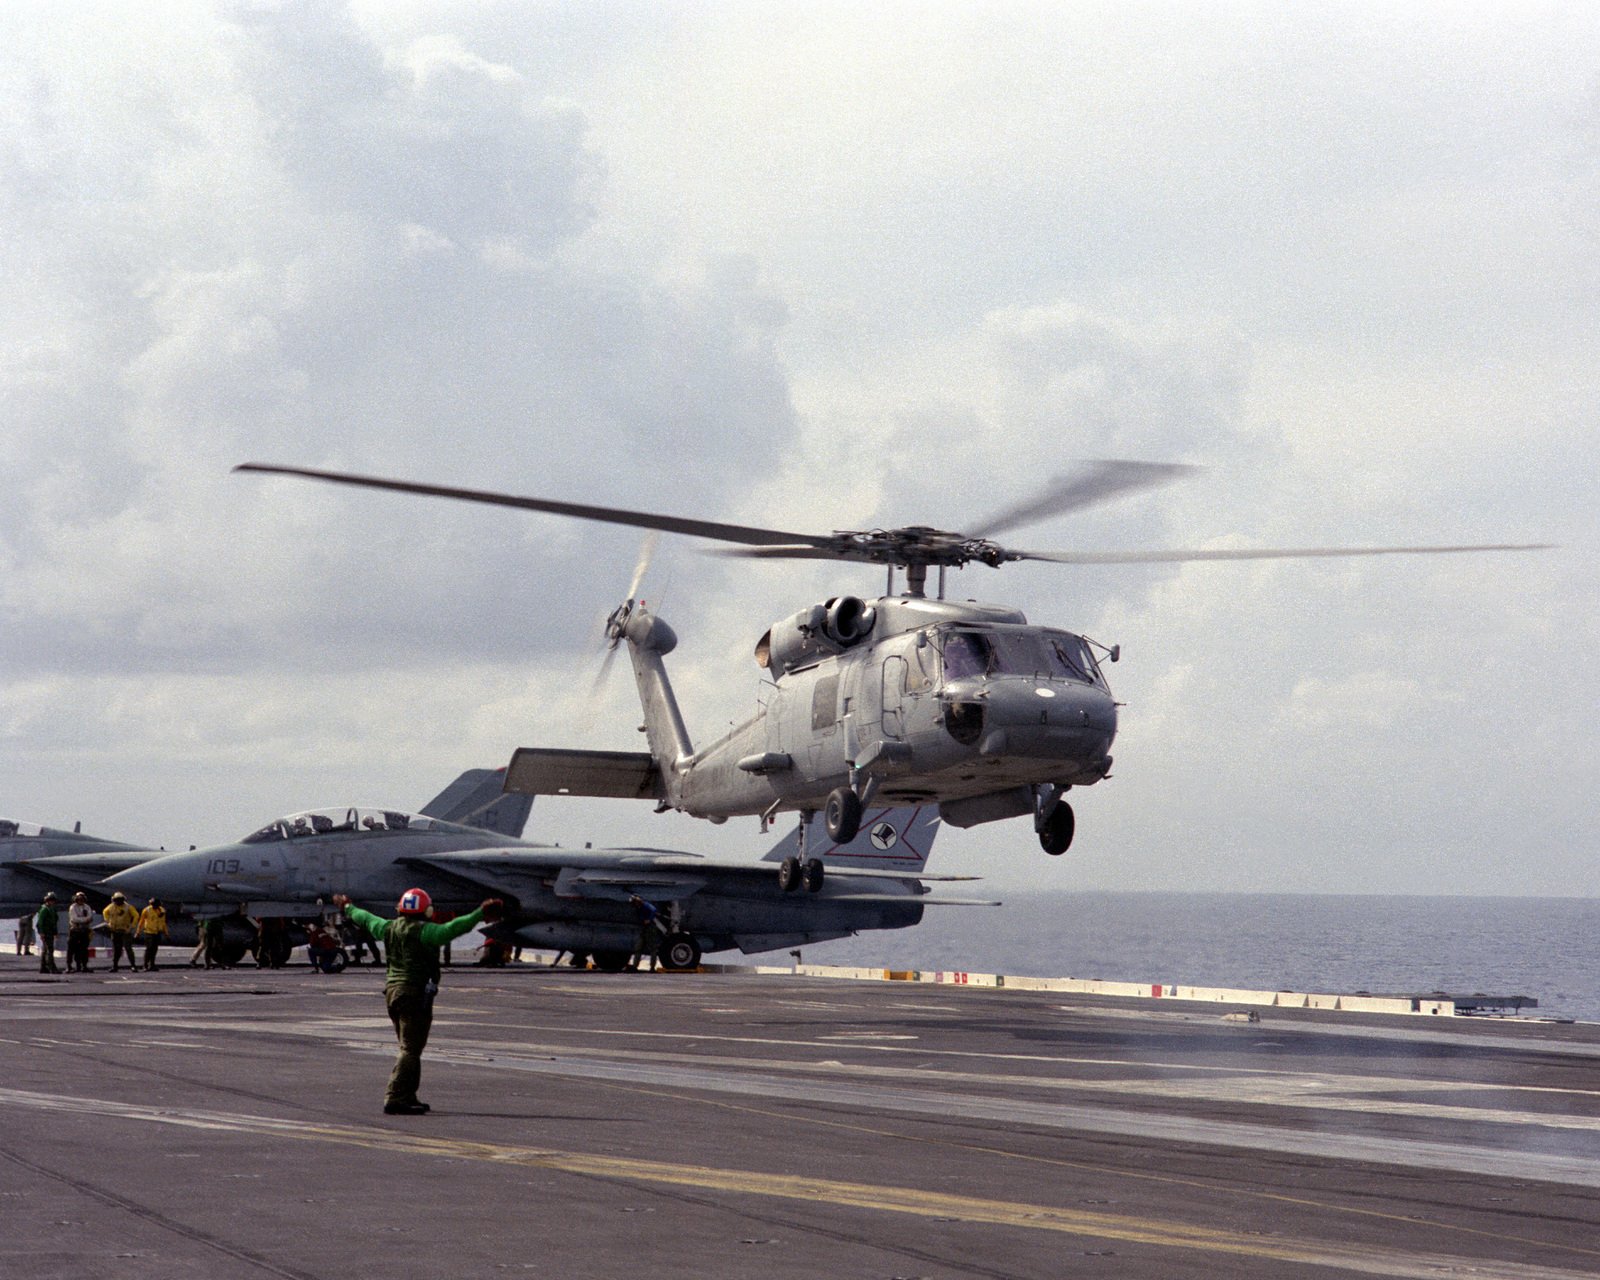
1056	834
811	873
842	815
679	951
789	874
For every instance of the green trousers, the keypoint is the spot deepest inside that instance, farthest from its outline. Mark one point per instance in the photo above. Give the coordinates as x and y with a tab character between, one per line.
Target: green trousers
411	1011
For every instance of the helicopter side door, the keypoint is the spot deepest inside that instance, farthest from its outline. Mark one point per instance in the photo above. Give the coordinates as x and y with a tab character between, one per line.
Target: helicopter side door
892	686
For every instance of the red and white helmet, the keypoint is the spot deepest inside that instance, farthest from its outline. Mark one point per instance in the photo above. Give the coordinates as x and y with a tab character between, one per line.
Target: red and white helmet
415	902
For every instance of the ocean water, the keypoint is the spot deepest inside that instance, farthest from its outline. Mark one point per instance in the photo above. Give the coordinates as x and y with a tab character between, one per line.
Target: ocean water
1547	948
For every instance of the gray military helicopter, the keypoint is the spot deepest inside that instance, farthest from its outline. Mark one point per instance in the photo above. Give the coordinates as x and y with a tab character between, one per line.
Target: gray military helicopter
904	699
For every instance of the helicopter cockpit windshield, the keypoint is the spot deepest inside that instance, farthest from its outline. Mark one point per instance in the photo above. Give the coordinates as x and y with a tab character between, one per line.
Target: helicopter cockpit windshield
1025	651
321	822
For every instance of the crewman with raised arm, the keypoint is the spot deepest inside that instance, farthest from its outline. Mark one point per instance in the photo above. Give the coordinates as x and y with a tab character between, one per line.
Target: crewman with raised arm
412	982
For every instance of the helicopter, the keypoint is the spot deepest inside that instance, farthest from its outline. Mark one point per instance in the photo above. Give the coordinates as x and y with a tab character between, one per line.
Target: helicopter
901	699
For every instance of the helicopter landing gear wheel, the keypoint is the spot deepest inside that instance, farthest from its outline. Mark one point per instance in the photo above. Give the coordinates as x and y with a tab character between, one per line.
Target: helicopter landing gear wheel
811	874
789	874
1056	834
679	952
842	815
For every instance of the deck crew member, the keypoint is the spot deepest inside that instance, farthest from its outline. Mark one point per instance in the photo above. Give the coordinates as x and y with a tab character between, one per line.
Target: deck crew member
120	919
152	927
47	922
80	921
412	981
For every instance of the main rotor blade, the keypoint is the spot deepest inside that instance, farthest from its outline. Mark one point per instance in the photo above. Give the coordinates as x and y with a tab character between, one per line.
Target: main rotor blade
781	553
608	515
1099	481
1265	553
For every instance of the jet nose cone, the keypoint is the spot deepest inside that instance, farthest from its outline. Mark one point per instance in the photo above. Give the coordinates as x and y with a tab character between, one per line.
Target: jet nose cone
158	878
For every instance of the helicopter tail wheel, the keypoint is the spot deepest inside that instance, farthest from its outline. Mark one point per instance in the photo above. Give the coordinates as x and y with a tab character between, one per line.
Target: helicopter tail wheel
811	874
842	816
1056	834
680	952
789	874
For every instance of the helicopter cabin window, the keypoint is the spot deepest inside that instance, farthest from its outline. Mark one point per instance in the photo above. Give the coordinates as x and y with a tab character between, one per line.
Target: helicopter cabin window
825	702
966	653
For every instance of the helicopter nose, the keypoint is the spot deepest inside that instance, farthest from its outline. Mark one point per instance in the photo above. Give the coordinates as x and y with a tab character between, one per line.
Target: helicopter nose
1050	719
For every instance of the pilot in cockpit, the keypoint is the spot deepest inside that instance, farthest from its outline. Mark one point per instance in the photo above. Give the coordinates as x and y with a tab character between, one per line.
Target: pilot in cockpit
966	653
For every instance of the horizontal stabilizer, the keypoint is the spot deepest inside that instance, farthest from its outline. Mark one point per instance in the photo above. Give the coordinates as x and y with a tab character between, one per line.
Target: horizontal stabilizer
544	771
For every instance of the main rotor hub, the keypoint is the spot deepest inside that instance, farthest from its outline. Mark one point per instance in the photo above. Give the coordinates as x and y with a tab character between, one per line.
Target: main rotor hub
913	545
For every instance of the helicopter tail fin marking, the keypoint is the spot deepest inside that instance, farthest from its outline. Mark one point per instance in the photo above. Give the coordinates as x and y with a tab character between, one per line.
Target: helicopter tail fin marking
478	799
889	840
543	771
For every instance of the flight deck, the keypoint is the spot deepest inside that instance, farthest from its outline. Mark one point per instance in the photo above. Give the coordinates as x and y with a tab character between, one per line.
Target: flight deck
193	1124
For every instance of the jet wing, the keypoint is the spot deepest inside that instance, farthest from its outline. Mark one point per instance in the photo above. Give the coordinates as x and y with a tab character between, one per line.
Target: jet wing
577	873
542	771
656	875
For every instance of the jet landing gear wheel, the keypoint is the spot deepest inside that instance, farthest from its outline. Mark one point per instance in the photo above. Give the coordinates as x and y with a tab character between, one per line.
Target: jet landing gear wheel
679	952
811	873
789	874
842	815
1056	834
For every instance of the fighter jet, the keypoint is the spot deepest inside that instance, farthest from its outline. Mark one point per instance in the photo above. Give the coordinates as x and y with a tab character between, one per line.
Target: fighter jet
610	903
36	859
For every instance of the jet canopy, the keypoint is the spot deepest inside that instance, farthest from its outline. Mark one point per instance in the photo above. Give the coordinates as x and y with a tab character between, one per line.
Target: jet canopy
8	829
322	822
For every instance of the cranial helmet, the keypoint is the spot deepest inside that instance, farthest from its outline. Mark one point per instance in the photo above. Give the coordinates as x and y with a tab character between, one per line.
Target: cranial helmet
415	902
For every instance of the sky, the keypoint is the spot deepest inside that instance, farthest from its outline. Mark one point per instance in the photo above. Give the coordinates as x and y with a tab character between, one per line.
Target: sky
811	266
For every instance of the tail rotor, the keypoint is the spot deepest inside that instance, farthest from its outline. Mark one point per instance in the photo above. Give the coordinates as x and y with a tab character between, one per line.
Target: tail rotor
617	621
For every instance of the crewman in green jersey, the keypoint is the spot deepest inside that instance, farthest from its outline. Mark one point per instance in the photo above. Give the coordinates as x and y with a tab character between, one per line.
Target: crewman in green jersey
413	980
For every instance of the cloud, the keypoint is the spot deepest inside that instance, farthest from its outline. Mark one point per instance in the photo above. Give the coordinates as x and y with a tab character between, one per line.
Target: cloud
368	267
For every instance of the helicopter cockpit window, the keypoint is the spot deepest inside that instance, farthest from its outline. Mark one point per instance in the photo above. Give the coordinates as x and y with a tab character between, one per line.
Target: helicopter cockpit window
1069	657
967	653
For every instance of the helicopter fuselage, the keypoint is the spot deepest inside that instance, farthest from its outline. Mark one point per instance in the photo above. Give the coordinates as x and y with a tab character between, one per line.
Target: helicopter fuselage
913	700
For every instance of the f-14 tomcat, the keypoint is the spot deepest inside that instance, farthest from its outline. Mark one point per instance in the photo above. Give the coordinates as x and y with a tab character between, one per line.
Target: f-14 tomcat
899	700
574	899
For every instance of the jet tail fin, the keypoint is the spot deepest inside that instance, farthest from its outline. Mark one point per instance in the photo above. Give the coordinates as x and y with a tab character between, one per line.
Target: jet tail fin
889	840
478	799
